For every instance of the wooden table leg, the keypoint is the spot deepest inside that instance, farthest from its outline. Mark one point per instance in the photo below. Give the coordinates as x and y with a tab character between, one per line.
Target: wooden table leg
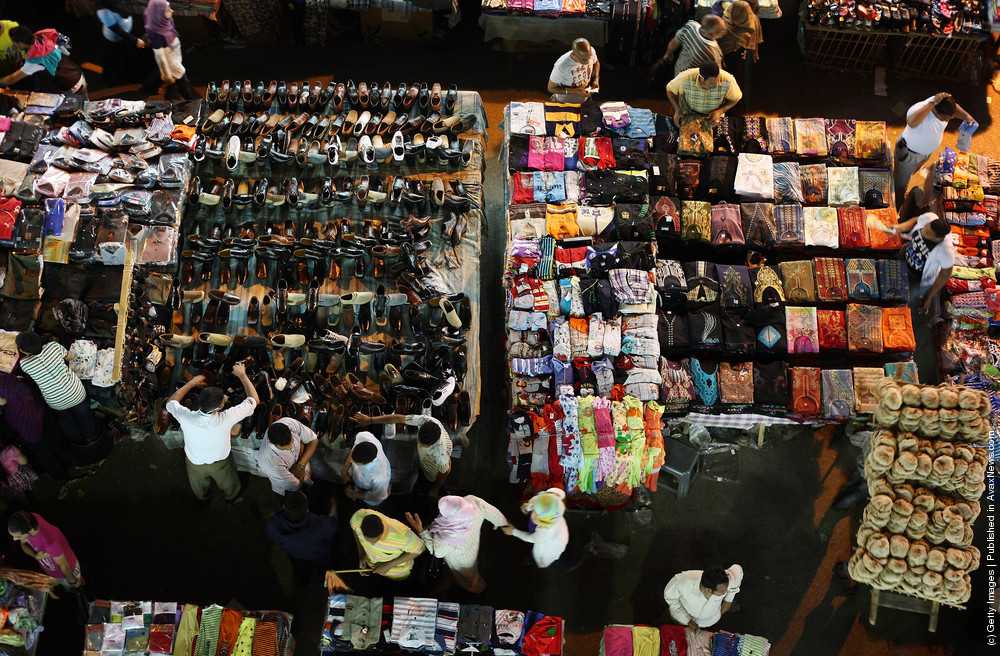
935	608
873	612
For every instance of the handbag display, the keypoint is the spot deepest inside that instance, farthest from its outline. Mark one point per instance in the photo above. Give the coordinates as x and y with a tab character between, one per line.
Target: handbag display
806	391
832	329
897	330
736	383
831	281
799	280
864	328
862	279
801	329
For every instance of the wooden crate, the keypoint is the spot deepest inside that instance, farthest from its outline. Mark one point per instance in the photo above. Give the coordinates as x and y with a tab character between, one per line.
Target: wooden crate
843	49
924	55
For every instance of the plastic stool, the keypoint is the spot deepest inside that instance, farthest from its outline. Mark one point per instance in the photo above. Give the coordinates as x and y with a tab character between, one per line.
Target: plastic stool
681	464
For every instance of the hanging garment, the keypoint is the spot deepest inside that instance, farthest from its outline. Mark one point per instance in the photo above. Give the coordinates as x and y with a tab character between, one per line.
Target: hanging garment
880	240
767	286
843	186
770	386
736	383
790	223
814	183
893	281
696	220
787	182
759	226
414	622
706	381
870	141
734	285
852	227
810	137
726	226
865	394
780	136
702	284
821	226
840	134
756	135
769	323
897	330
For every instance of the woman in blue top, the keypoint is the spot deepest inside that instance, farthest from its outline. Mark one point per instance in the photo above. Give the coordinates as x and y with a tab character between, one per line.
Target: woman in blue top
116	27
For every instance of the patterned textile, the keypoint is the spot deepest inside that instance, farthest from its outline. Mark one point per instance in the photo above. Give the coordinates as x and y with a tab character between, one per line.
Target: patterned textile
893	280
810	137
832	329
831	281
696	220
897	330
736	382
865	397
840	137
879	179
802	330
726	225
787	182
904	371
780	136
880	240
838	393
862	279
864	328
754	176
255	20
767	285
870	141
843	182
790	223
814	183
798	277
821	227
759	226
806	391
754	135
852	227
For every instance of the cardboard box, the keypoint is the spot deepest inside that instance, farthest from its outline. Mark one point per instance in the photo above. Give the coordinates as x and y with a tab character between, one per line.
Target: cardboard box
407	22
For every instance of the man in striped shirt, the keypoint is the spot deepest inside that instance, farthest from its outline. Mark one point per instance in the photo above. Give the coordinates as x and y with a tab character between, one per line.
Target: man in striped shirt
60	387
695	43
434	448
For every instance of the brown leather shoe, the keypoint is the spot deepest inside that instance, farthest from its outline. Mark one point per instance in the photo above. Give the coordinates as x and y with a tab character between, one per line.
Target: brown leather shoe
436	97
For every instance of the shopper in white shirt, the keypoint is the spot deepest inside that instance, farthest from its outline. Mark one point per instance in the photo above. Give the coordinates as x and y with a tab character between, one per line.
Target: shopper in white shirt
550	533
576	74
284	456
925	125
368	470
699	598
434	448
207	434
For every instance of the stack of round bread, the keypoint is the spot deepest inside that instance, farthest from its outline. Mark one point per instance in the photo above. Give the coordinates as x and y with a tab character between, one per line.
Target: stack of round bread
939	464
892	562
945	412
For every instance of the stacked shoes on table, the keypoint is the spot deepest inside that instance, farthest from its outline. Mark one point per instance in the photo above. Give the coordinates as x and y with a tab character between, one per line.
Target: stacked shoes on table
692	281
942	17
83	184
320	269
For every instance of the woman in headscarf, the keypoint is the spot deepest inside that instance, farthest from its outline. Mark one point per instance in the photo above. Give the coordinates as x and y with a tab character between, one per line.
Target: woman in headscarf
116	27
47	58
454	536
548	531
743	32
166	44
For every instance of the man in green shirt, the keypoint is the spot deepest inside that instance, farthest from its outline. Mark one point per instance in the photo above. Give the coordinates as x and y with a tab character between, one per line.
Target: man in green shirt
706	92
10	55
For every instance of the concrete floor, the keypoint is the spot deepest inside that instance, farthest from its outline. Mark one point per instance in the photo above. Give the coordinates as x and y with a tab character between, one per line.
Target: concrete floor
140	534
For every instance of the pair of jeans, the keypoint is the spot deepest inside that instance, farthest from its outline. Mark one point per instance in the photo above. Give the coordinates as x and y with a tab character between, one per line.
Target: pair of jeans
77	422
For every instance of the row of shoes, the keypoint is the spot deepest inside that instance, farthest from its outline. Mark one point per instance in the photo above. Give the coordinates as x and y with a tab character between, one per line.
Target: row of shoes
301	96
371	151
415	195
938	17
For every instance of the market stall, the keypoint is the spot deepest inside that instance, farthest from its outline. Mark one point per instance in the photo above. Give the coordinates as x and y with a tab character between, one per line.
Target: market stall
749	271
148	627
911	38
332	243
23	597
430	626
624	640
88	190
564	21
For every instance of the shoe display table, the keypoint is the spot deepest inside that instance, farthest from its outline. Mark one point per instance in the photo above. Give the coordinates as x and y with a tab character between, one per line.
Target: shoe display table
333	245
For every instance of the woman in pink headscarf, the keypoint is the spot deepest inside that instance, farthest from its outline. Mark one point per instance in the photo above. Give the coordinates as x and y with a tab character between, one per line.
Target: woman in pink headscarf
166	44
454	536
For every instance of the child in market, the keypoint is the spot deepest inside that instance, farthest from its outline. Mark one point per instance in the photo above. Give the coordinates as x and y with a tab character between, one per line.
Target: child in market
18	478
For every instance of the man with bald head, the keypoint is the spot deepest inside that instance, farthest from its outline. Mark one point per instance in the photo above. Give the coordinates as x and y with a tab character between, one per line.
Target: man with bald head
695	43
575	74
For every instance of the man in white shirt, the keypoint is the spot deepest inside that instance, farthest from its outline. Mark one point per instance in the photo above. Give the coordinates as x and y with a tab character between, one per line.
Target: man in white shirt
699	598
434	448
925	125
207	435
368	470
929	256
576	74
284	456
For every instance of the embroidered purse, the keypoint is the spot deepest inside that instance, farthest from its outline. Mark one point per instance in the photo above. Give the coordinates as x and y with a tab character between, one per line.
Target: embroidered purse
696	220
893	280
789	220
838	393
864	328
806	392
726	225
897	330
734	285
832	329
769	322
770	386
801	329
759	227
865	396
767	285
702	285
853	230
831	282
704	329
798	277
862	279
736	383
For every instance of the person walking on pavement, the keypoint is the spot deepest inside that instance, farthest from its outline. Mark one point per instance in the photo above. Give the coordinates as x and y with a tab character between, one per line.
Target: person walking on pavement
166	44
207	435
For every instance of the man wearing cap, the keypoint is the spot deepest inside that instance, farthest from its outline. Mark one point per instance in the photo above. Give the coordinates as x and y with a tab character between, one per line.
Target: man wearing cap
925	124
699	598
